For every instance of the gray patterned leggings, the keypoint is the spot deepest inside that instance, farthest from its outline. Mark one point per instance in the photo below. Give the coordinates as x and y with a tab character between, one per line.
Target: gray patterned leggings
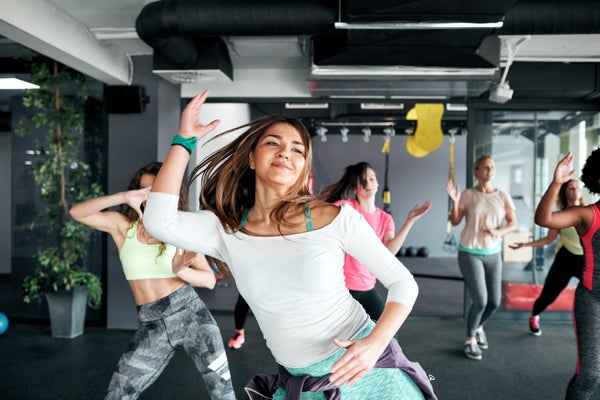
483	277
586	316
177	321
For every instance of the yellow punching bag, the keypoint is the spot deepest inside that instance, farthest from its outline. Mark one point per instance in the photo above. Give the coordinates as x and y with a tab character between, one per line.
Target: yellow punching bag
429	135
412	148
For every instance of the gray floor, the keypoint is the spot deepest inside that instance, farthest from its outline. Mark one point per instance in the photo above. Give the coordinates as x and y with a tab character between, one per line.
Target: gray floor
516	366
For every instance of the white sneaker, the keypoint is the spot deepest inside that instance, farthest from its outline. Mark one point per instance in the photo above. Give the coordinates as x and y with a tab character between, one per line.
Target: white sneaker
481	339
472	350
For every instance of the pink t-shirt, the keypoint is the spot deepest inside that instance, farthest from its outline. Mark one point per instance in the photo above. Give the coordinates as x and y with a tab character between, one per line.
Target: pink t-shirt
357	276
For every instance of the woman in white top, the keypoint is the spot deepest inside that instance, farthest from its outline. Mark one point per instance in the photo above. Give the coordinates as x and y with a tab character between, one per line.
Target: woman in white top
485	210
286	252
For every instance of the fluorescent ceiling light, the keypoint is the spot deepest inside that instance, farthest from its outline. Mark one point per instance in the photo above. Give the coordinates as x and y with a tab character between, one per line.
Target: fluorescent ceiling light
369	70
381	106
410	25
16	84
356	96
290	106
417	97
456	107
355	123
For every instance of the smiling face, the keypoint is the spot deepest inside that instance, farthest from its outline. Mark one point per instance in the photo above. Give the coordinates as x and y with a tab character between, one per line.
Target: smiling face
369	189
278	158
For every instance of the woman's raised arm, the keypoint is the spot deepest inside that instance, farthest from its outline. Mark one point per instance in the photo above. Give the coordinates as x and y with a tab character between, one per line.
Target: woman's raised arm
191	130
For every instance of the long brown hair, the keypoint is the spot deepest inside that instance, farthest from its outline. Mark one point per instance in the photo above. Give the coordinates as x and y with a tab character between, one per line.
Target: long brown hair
561	199
355	175
228	183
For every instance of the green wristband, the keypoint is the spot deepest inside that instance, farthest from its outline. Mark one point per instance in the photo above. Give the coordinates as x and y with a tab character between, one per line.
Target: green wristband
187	143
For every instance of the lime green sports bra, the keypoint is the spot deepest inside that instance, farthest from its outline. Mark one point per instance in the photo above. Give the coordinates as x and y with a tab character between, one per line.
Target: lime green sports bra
141	261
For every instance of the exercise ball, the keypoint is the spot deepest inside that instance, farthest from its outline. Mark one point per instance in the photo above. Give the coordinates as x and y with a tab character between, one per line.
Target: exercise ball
401	252
423	252
411	251
3	323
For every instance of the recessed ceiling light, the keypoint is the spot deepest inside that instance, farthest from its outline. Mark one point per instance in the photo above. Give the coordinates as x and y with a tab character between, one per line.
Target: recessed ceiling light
16	84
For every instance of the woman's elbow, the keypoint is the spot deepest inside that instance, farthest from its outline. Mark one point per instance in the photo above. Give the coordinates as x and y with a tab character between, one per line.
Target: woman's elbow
74	213
154	222
540	220
211	283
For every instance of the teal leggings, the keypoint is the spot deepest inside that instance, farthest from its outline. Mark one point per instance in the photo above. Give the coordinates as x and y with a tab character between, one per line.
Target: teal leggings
378	384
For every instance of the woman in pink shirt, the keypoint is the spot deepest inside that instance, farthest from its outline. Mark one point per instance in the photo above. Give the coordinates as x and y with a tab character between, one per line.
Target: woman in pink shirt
360	180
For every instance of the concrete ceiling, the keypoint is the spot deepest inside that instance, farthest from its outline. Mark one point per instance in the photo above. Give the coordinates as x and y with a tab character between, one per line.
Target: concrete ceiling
100	37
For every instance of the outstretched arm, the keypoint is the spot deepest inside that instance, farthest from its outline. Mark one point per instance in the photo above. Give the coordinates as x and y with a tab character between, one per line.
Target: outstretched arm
395	242
195	231
362	243
549	238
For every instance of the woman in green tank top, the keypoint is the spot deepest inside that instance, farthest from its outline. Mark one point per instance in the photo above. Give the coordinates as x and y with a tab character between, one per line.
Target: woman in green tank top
170	313
568	262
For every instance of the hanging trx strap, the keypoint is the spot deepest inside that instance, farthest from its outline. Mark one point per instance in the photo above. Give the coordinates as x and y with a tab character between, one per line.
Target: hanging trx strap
387	197
450	242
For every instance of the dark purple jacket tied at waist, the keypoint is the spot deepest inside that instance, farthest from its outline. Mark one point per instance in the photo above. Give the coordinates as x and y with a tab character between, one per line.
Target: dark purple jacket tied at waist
263	386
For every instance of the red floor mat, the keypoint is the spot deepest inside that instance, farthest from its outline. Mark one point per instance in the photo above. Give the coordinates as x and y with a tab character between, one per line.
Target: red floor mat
520	296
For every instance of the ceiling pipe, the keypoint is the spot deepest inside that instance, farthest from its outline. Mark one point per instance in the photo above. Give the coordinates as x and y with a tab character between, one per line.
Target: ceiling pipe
552	17
174	28
180	30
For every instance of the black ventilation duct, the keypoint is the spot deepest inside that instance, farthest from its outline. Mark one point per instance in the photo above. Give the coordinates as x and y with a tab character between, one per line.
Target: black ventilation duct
185	34
552	17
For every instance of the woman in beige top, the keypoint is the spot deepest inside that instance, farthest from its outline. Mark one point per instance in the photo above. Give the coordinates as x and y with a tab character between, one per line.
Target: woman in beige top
489	214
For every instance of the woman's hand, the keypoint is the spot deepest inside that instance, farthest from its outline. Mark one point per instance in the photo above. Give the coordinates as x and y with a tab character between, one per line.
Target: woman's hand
135	199
190	125
418	211
181	261
453	191
516	246
360	357
562	173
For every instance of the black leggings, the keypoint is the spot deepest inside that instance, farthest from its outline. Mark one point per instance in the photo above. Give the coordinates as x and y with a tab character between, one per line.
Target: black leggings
565	266
371	302
240	313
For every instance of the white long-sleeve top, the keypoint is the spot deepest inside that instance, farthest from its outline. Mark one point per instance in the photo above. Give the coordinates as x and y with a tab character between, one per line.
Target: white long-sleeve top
294	284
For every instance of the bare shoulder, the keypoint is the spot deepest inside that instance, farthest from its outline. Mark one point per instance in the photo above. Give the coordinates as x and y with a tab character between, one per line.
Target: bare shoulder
323	213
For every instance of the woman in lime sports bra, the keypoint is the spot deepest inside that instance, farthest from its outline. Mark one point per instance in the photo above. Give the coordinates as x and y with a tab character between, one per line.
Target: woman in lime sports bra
568	261
170	313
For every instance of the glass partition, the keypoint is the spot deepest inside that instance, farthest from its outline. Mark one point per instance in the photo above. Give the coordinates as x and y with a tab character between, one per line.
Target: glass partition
526	146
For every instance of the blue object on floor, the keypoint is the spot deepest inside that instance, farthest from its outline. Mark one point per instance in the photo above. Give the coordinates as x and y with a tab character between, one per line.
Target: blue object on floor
3	323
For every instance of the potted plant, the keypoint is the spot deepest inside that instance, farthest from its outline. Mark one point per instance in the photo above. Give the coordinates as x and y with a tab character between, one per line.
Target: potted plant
63	179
